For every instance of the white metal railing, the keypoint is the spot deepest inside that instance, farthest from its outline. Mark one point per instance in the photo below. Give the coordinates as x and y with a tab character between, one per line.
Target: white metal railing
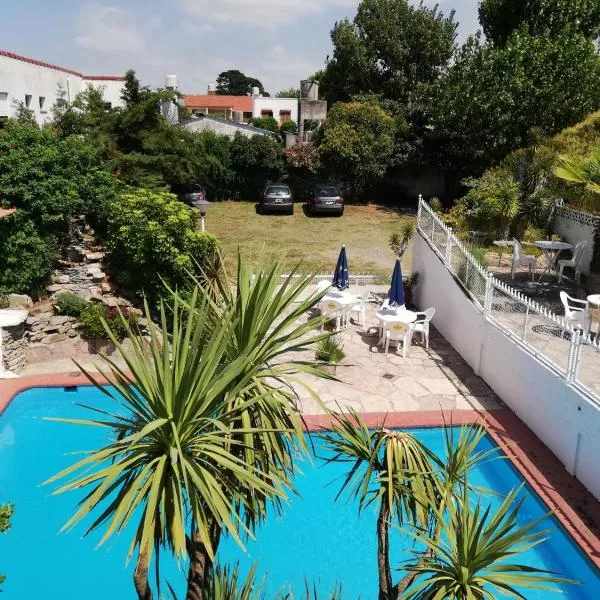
360	279
574	356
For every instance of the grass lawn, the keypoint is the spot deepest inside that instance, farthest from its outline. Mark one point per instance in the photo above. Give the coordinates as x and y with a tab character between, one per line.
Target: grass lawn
363	229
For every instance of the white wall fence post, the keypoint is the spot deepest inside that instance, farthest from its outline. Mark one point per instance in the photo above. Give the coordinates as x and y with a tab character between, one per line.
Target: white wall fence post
419	209
448	256
489	295
574	356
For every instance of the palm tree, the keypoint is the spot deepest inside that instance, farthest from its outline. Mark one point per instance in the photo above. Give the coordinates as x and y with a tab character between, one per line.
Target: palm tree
205	424
389	468
474	557
586	172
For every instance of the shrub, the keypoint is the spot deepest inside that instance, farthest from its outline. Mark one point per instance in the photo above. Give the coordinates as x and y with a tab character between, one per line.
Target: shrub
69	304
152	237
330	350
95	315
26	258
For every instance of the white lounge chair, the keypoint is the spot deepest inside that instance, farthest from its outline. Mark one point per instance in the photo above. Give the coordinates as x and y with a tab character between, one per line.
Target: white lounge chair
396	332
421	325
577	312
360	308
520	259
574	262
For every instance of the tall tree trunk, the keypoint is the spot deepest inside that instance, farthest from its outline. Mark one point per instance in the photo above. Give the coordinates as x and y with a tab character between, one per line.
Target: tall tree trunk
140	578
201	564
383	552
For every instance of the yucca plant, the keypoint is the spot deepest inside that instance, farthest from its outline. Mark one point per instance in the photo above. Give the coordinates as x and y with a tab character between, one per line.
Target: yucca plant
205	425
399	241
390	469
226	583
330	351
476	555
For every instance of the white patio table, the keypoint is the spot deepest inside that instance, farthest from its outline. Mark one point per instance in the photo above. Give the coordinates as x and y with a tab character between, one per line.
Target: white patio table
343	300
551	251
594	300
390	316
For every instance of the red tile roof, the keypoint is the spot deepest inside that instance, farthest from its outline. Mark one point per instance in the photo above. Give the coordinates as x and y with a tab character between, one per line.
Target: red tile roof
41	63
238	103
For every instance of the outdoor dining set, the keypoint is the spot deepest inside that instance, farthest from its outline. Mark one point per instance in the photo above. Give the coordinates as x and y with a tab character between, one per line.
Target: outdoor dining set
577	312
396	323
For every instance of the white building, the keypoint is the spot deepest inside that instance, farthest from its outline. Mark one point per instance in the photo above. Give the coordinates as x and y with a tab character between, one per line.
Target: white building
281	109
35	84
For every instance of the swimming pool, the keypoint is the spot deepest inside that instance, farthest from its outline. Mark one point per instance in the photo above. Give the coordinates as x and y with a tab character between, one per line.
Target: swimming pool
315	539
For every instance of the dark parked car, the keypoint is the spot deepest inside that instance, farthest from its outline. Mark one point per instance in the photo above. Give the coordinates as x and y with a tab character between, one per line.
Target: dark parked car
277	197
191	193
327	198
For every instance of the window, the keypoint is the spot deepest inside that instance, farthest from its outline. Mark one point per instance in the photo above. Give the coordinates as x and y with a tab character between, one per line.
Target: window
42	102
27	100
107	105
285	115
265	112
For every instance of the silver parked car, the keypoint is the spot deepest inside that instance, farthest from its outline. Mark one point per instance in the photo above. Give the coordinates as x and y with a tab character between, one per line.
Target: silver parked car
277	197
327	198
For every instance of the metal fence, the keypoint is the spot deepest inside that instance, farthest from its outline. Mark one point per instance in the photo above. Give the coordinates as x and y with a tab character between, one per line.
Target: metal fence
546	335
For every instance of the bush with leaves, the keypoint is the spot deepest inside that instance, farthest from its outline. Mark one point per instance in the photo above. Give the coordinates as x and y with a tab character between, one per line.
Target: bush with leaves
266	123
120	321
69	304
154	238
6	512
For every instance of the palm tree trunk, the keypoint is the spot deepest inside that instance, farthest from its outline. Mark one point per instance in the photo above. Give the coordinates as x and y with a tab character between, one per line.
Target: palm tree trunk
201	564
383	552
140	578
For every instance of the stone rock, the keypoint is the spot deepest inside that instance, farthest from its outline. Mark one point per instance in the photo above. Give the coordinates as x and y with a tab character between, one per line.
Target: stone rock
74	254
19	301
38	337
106	287
61	320
96	293
98	276
54	337
55	287
94	256
72	333
34	320
93	268
61	279
110	301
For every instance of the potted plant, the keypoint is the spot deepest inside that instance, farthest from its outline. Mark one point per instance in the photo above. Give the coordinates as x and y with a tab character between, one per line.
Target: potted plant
409	285
330	352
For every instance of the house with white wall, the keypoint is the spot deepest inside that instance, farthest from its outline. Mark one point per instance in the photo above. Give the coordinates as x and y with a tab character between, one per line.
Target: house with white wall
35	83
281	109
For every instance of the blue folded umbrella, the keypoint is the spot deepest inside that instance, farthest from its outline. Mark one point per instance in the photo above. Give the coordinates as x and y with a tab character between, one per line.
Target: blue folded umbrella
340	277
397	287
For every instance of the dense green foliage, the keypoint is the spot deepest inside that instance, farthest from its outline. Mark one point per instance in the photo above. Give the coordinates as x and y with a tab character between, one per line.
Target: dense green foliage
154	238
355	142
235	83
268	123
288	93
485	105
389	48
69	304
99	321
500	18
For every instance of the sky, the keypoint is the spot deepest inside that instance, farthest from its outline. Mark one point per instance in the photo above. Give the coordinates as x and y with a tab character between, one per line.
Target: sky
276	41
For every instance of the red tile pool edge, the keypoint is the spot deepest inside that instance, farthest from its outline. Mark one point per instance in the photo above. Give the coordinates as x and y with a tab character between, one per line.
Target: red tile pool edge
576	509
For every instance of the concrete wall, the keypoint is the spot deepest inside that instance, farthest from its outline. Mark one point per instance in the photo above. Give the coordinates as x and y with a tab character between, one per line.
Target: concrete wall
276	105
575	227
565	420
20	78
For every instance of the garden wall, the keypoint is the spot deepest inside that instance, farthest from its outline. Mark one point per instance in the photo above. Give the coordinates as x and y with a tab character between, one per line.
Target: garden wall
575	227
563	418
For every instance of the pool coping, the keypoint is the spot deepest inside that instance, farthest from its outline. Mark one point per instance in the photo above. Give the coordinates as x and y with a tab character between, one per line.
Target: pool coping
566	497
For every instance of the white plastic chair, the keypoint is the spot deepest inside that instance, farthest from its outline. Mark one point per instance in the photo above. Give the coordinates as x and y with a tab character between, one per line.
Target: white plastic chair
421	325
577	312
520	259
396	332
331	309
574	262
360	308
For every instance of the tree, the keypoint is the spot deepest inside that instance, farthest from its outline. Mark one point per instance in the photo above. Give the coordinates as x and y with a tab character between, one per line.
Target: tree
389	48
474	557
485	106
500	18
355	142
268	123
205	428
235	83
6	512
24	115
255	161
288	93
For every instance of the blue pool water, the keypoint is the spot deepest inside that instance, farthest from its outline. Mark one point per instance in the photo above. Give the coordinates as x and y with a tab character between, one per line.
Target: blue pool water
315	539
